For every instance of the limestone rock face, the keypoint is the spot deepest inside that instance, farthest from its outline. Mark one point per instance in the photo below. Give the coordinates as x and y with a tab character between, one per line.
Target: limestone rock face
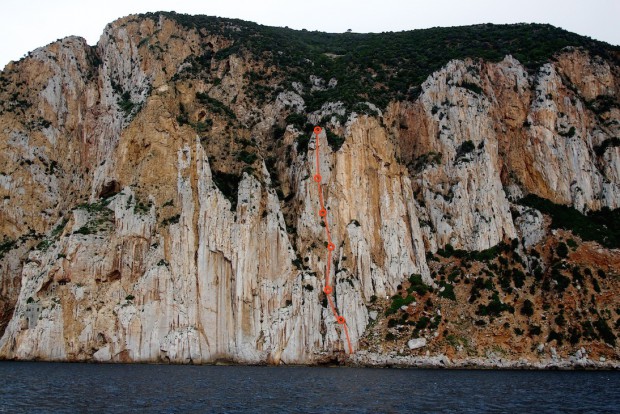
148	217
560	141
456	161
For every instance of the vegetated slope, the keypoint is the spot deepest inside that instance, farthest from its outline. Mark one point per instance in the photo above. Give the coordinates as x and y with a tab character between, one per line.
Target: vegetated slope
507	306
158	205
382	67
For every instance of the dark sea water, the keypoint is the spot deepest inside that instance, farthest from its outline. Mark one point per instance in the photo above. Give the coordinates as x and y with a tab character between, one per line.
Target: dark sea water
87	388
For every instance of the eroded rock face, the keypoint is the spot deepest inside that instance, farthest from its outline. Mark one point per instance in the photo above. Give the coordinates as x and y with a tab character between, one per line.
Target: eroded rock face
194	257
455	160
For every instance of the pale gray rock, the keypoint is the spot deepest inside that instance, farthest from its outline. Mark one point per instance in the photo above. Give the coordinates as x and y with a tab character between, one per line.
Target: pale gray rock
530	225
416	343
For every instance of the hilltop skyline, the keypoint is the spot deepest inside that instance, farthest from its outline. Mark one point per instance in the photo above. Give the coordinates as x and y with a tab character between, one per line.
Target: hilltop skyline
34	24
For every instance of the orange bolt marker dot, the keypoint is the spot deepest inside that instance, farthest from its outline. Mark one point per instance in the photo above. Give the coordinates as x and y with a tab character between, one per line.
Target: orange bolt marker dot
318	178
327	289
330	246
322	212
317	130
341	320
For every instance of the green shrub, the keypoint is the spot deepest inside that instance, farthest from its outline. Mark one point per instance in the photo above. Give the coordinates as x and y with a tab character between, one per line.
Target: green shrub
278	132
202	126
183	117
228	184
609	142
302	143
100	206
398	301
447	251
297	263
215	106
84	230
363	108
297	120
569	134
44	245
588	330
535	330
422	323
58	229
504	281
555	336
575	335
125	103
495	307
472	87
246	157
562	281
424	160
417	285
142	208
171	220
528	308
466	147
562	250
333	140
480	256
100	217
602	104
518	277
448	292
478	285
485	255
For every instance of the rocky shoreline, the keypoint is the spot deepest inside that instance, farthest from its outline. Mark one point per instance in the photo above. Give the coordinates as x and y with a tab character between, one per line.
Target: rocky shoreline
369	359
365	359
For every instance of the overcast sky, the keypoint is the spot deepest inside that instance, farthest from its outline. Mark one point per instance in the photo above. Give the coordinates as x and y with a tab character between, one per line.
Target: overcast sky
28	24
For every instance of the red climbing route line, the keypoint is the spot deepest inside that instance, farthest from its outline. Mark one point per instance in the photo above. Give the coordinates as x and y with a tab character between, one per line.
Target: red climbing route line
330	246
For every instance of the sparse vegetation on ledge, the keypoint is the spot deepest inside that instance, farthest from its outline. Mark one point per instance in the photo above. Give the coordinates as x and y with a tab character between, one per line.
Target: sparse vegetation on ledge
600	226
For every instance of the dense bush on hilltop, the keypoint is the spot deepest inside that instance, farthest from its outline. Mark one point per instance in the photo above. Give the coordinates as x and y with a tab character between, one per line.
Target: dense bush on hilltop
380	67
